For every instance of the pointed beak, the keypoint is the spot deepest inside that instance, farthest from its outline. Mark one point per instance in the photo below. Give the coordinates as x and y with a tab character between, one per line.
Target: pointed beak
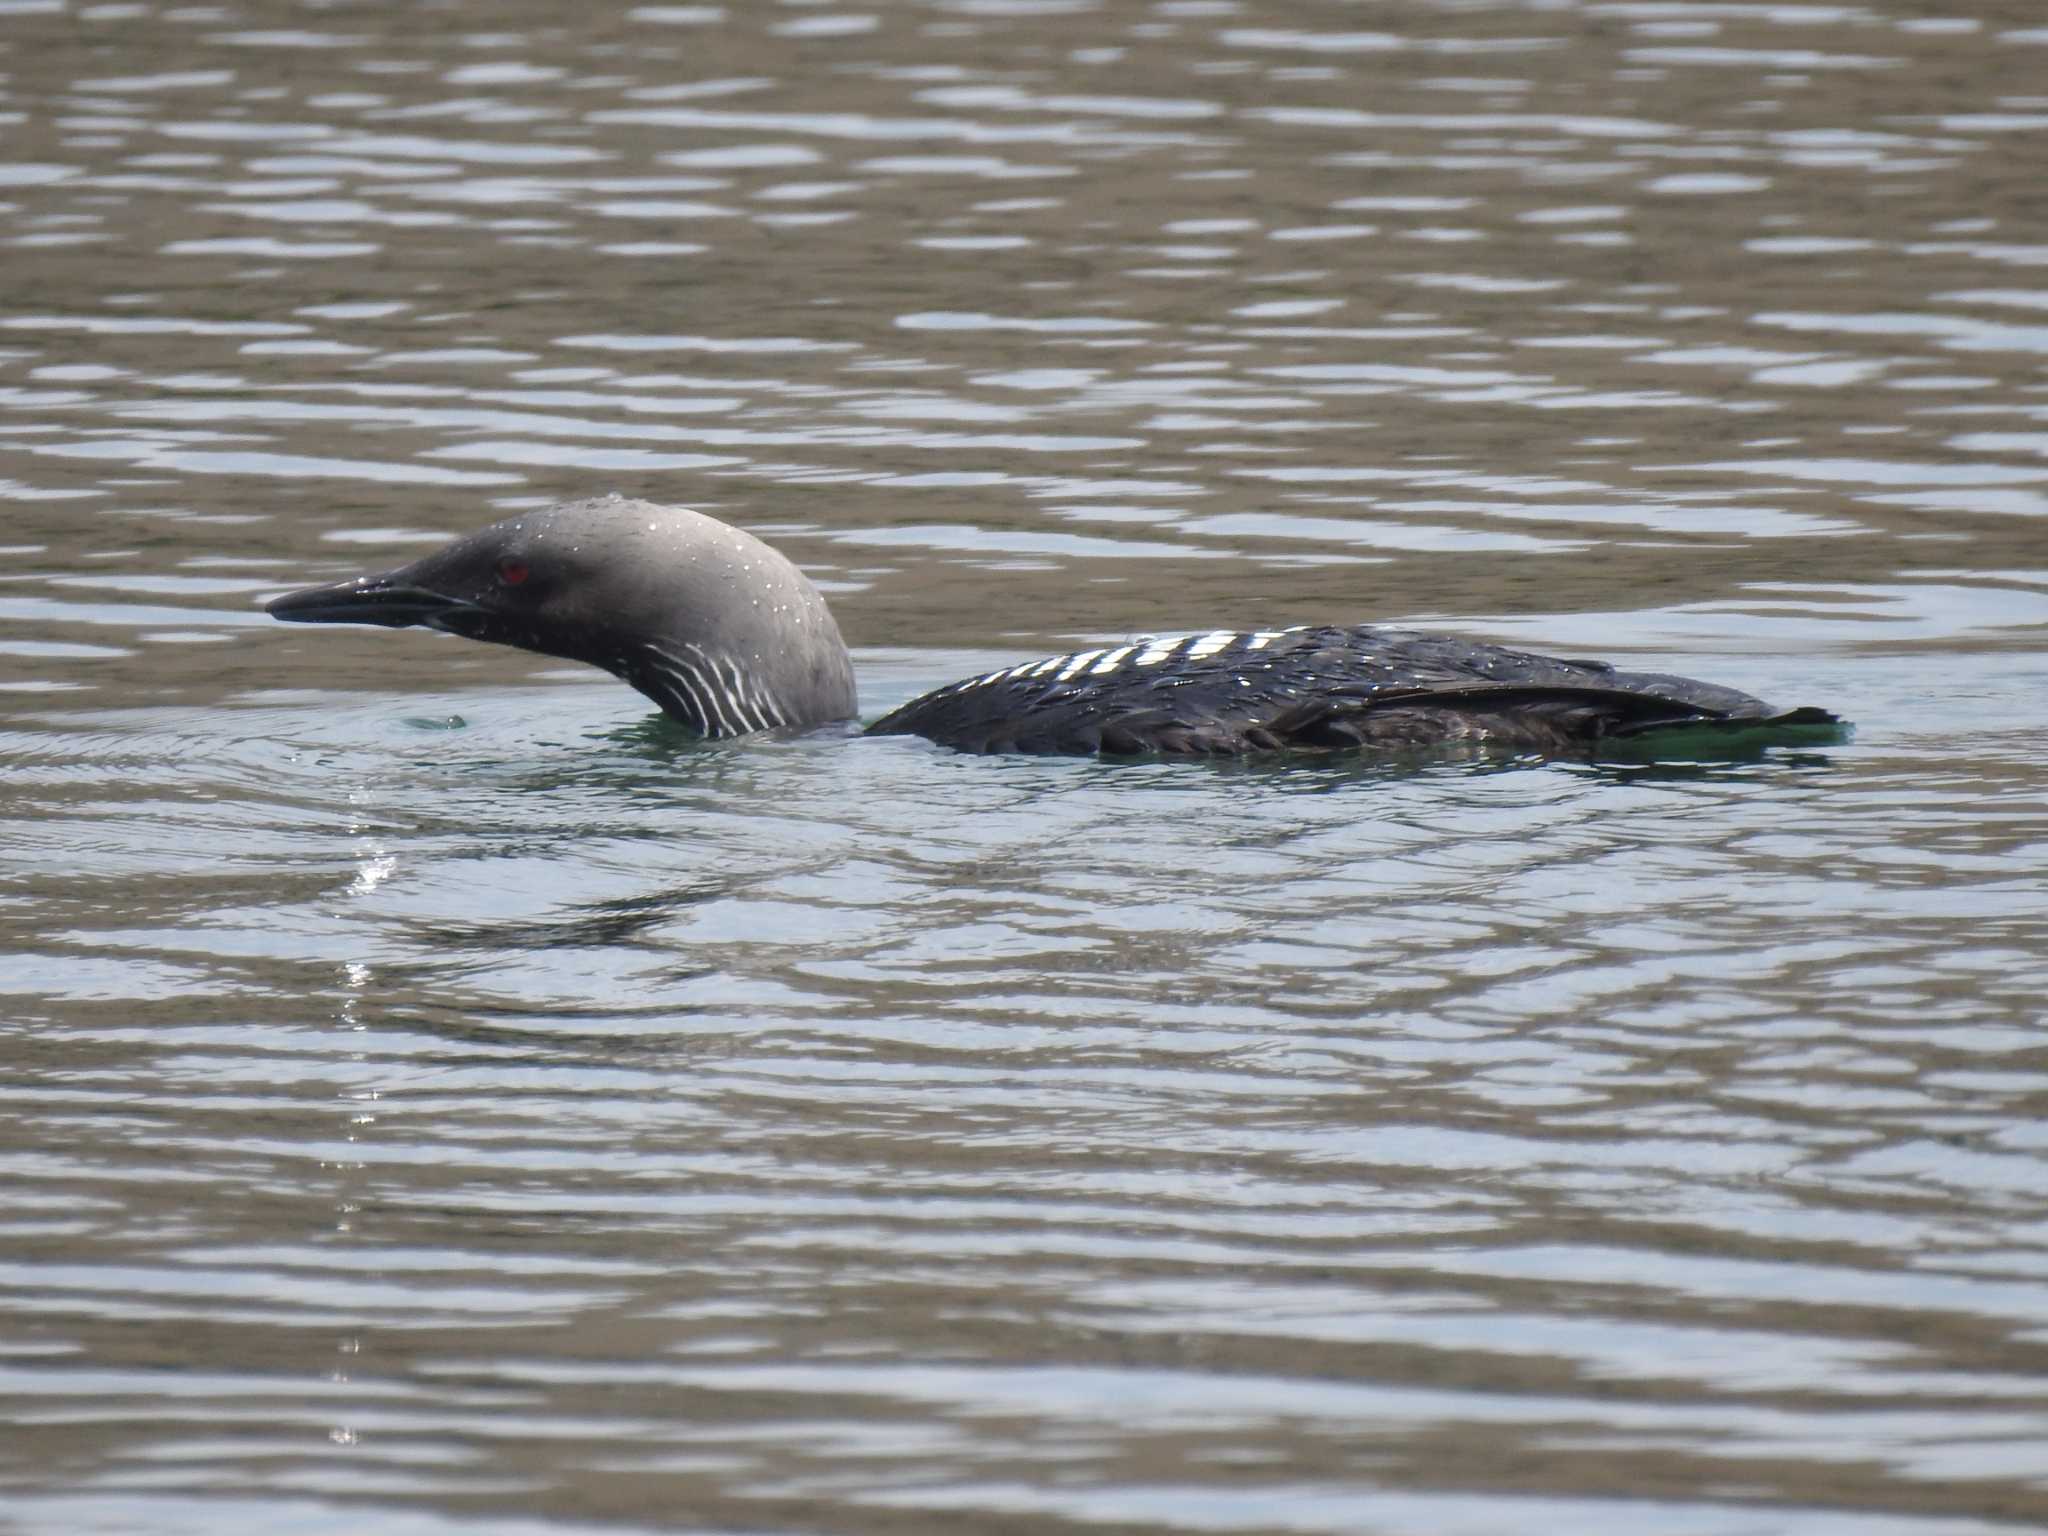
389	600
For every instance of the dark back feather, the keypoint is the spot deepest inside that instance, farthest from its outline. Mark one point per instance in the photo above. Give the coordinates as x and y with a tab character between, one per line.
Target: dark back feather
1305	689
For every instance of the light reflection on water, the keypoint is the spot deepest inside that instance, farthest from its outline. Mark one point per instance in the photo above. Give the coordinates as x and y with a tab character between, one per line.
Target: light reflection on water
437	1086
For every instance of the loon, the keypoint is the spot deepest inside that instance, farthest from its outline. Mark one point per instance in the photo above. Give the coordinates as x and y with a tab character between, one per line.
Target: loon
729	637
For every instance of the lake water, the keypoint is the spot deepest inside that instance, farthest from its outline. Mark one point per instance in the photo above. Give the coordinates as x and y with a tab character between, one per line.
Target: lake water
439	1097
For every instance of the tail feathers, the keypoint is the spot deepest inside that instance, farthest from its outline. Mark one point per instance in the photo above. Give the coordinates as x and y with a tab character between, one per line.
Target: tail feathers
1732	736
1792	719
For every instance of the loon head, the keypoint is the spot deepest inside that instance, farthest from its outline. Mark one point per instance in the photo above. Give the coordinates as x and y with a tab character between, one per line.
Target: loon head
720	630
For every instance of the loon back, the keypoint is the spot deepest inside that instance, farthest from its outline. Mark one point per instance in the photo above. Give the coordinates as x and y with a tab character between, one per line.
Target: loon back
729	637
1313	689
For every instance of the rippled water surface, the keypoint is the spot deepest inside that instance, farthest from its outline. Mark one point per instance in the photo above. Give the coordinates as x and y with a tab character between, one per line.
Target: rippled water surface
440	1097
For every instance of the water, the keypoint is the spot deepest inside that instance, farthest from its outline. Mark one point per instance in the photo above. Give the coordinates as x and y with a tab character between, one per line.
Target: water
442	1098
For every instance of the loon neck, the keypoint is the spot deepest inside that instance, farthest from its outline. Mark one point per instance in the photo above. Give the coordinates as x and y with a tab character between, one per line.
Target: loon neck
711	690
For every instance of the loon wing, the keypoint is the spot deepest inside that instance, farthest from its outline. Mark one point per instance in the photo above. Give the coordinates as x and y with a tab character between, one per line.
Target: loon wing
1535	717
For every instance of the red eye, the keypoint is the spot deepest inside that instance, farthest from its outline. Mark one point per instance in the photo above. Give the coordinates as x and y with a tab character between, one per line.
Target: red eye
512	572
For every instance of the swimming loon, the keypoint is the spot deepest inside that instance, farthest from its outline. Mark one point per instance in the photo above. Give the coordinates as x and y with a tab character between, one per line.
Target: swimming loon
728	636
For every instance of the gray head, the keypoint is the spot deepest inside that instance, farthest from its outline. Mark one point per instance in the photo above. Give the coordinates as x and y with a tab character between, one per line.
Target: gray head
713	625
